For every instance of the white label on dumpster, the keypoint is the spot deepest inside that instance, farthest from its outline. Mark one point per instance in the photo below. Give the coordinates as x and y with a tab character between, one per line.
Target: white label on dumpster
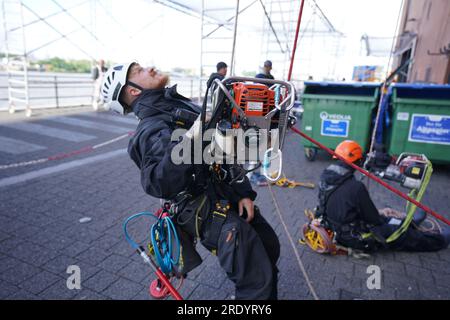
308	128
427	128
334	116
334	128
403	116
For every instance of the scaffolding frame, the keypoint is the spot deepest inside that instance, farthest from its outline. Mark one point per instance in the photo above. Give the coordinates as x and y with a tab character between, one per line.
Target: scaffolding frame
213	31
279	28
277	32
17	53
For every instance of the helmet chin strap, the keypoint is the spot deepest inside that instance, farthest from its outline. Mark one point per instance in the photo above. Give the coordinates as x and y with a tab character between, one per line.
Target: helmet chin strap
134	85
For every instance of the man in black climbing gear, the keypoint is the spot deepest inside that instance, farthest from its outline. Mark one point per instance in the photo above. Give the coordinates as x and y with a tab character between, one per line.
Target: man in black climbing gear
208	206
347	209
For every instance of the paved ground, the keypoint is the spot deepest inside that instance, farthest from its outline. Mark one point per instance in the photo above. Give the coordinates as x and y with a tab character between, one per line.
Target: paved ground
40	232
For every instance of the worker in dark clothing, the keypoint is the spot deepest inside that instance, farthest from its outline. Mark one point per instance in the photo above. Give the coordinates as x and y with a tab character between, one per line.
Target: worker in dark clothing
222	70
266	71
247	247
346	206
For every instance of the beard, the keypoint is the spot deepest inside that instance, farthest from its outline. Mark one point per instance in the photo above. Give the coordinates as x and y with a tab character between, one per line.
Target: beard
163	81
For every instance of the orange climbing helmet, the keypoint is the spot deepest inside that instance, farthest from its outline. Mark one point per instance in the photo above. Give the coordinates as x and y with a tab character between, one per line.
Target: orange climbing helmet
349	150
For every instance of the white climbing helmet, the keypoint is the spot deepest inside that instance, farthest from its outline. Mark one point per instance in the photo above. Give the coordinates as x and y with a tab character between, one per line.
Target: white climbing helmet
113	83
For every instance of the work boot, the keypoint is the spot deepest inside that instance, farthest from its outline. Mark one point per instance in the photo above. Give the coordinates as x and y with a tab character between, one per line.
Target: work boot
419	217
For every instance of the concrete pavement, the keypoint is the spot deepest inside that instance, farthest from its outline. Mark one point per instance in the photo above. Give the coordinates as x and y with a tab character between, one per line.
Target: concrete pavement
40	232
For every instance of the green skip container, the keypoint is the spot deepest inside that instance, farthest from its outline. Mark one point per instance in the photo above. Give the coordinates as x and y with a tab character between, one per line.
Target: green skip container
337	111
420	121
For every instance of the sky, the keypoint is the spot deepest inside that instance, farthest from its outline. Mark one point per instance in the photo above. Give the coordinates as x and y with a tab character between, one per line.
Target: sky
153	34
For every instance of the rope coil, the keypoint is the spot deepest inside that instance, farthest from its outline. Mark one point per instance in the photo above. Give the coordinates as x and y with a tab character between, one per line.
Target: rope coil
164	239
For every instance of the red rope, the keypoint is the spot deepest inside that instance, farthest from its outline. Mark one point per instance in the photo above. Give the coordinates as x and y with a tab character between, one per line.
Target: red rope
168	285
373	177
295	40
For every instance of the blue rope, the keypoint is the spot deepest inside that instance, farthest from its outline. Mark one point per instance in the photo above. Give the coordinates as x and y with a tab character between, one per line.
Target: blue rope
161	234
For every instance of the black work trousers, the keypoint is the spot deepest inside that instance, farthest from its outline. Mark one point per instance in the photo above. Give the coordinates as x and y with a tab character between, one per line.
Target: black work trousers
412	240
248	252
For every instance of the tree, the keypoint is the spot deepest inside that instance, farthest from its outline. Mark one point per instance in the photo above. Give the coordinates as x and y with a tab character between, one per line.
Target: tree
56	64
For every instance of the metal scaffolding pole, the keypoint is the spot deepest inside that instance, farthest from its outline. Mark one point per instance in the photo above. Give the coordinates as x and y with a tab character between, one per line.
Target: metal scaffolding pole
200	83
234	39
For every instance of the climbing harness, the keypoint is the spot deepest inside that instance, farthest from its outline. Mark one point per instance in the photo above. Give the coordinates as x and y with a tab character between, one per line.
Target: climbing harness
319	237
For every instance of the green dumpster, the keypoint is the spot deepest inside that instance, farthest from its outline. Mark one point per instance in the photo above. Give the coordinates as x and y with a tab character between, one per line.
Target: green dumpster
420	121
334	112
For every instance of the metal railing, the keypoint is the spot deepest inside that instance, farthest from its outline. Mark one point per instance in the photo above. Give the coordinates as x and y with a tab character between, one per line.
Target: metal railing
52	90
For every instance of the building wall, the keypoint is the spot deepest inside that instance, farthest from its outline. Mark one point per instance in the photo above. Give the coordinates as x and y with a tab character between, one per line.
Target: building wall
430	20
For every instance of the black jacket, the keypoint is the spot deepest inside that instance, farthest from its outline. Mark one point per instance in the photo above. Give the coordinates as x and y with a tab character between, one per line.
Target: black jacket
151	147
264	76
214	76
350	201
